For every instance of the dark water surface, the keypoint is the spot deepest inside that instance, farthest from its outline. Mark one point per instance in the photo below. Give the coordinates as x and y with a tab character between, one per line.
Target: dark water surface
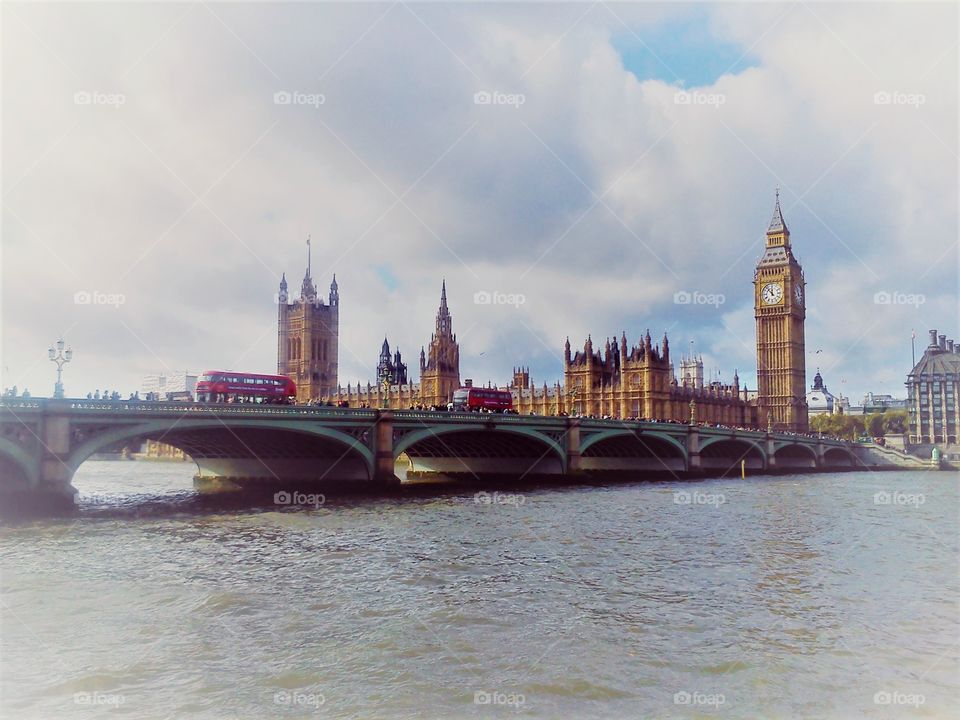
792	597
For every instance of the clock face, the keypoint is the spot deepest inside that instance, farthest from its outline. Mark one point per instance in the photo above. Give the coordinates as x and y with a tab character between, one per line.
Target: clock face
798	294
772	293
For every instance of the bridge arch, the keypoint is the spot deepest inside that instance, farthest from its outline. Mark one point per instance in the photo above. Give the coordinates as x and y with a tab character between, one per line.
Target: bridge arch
246	448
488	448
839	457
631	450
795	455
17	466
724	452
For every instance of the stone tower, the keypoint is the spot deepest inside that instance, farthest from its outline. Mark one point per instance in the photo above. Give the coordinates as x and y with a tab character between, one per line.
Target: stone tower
308	337
391	370
440	364
780	310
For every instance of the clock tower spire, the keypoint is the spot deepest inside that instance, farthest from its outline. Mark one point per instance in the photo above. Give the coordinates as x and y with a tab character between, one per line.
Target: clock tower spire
780	311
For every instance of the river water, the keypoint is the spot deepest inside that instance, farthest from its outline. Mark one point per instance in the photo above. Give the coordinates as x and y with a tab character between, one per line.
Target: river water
828	596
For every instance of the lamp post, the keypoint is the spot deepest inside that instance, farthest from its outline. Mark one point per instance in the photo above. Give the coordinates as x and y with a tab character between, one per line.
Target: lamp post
61	358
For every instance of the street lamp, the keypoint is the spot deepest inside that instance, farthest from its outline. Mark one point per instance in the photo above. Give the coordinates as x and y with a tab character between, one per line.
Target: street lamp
61	358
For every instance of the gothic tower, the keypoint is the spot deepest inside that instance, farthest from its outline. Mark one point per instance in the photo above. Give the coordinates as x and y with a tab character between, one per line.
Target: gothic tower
780	310
308	337
440	365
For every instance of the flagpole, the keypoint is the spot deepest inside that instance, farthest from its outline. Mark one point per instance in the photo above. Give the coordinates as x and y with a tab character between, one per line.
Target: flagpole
913	348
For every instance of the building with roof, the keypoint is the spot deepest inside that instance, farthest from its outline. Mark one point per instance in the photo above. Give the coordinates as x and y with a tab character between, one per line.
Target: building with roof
878	403
172	385
308	336
391	370
820	401
932	388
780	313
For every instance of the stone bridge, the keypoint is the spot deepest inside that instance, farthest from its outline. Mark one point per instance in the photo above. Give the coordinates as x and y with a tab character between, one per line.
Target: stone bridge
43	442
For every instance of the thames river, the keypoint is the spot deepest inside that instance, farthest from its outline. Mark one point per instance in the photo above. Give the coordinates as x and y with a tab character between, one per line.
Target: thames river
822	596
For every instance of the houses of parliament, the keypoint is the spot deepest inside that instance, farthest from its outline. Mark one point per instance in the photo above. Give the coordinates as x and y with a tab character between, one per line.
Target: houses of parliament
617	379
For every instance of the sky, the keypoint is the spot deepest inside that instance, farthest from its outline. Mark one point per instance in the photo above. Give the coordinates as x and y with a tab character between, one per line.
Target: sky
584	167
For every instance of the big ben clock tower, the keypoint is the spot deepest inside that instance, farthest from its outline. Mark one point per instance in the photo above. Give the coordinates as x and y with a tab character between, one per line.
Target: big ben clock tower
780	309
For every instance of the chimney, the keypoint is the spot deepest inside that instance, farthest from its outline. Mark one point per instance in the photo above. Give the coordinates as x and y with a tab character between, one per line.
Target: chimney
943	342
933	338
949	345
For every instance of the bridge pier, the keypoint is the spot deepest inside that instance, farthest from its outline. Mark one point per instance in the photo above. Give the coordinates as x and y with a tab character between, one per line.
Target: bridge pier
574	462
49	490
384	463
769	450
693	448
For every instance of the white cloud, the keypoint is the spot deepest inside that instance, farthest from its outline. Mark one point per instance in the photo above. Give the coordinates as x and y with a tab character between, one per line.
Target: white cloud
493	197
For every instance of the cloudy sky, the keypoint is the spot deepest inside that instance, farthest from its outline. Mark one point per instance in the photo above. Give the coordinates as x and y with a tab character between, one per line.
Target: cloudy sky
591	160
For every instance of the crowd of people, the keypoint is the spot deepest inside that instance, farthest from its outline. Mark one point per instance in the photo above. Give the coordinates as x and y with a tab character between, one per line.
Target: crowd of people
14	393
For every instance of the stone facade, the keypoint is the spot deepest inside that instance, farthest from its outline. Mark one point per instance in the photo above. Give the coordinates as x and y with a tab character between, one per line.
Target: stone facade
308	338
780	311
439	373
636	381
933	387
619	380
440	363
391	370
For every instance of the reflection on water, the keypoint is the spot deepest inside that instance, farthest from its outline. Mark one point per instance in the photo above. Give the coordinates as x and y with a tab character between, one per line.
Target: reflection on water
791	597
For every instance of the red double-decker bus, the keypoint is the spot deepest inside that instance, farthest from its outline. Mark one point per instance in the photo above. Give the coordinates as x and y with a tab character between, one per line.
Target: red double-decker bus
476	399
218	386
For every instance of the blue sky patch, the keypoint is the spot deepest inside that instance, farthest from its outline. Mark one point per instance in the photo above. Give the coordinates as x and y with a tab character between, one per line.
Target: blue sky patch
387	277
683	52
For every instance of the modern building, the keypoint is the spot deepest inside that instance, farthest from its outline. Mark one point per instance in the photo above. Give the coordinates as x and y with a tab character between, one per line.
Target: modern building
932	389
877	403
173	385
780	311
308	337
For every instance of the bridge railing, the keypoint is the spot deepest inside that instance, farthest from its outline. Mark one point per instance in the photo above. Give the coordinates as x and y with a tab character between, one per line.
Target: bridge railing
161	407
425	416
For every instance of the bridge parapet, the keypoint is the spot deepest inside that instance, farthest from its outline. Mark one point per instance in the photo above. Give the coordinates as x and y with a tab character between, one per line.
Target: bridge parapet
43	441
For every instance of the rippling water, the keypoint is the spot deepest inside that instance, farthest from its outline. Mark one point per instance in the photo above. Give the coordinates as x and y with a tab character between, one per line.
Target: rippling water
795	596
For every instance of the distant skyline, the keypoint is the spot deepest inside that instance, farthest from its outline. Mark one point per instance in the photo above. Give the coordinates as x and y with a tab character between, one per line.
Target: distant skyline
164	164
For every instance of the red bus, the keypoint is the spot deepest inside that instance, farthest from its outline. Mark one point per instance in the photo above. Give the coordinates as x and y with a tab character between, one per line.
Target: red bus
219	386
476	399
